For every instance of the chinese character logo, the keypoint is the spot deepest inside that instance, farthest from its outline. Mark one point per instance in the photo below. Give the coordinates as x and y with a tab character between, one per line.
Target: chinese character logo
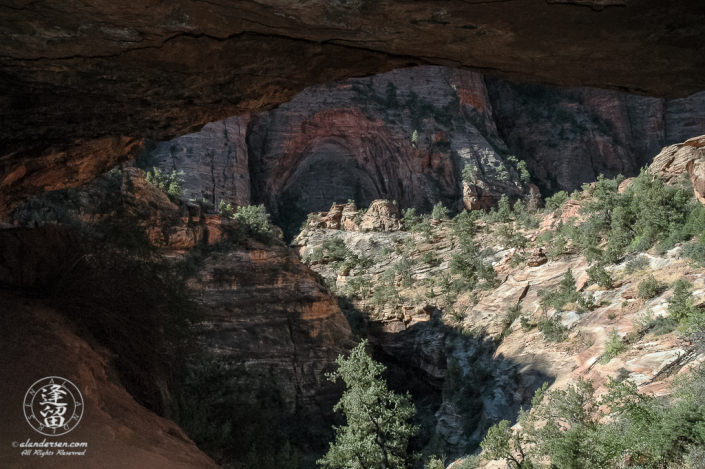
53	406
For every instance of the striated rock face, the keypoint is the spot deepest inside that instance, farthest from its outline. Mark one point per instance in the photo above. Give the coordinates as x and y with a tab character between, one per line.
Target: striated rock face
38	342
214	161
74	72
570	136
275	317
404	136
264	309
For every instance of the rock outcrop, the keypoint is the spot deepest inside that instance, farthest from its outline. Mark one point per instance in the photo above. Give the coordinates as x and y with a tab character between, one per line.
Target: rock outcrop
274	316
36	342
176	67
264	308
686	158
382	215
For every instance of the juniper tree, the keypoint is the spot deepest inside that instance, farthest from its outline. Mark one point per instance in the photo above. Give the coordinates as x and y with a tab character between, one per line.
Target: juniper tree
378	430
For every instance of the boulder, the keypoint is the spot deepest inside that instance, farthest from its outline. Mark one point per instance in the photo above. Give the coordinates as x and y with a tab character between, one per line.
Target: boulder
331	220
673	160
536	258
382	215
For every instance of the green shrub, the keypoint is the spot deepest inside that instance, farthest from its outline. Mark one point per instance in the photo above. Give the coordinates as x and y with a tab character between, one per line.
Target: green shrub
648	288
403	267
466	261
504	210
430	258
680	305
226	210
565	294
613	346
643	319
334	249
524	175
367	399
439	212
469	173
575	429
511	238
409	219
597	274
649	212
434	463
469	462
636	264
622	374
526	323
256	220
552	329
695	251
556	201
513	313
662	325
171	184
464	224
385	293
557	248
516	260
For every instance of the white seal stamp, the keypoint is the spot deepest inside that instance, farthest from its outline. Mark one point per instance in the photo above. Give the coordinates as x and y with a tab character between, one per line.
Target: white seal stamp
53	406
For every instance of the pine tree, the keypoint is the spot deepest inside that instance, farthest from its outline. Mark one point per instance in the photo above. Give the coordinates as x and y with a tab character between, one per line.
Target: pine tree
378	429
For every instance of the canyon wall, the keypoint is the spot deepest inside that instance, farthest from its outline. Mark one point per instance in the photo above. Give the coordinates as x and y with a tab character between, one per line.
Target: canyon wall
407	136
264	312
570	136
270	318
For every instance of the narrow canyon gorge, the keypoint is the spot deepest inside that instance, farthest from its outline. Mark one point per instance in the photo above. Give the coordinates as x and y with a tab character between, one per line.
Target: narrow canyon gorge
205	205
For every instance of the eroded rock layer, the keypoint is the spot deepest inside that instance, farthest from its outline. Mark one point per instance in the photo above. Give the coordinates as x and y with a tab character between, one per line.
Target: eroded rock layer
407	136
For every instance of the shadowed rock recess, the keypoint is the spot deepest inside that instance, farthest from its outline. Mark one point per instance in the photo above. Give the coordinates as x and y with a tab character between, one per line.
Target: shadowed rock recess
407	135
72	72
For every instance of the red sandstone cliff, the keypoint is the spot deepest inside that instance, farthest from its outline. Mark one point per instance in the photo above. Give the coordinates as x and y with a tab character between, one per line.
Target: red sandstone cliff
36	342
355	140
